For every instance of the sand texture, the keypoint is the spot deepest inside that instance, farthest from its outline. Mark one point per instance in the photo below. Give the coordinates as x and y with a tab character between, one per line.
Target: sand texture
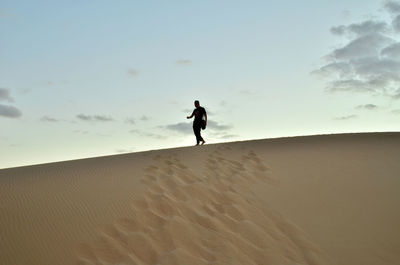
329	199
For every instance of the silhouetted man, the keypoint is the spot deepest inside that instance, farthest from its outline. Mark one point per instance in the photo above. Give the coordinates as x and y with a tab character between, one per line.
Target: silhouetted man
198	122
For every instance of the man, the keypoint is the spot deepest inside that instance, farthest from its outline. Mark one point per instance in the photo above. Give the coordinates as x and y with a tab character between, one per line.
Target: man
198	122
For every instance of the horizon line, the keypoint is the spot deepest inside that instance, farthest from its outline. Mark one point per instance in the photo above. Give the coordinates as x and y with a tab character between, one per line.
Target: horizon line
181	147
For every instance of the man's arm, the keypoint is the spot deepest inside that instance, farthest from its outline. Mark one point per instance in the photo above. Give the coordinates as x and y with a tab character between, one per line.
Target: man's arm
191	116
205	114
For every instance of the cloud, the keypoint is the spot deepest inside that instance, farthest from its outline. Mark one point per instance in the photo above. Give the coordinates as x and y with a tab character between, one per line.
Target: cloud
395	111
81	131
248	92
360	29
392	6
148	134
226	136
229	136
186	127
133	120
346	14
94	117
9	111
348	117
144	118
222	135
184	62
84	117
5	95
181	127
392	51
362	47
132	72
189	111
396	23
335	69
339	30
367	107
48	119
23	90
369	60
130	120
216	126
102	118
129	150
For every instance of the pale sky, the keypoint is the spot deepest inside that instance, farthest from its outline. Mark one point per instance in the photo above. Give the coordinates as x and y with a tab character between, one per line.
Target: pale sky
91	78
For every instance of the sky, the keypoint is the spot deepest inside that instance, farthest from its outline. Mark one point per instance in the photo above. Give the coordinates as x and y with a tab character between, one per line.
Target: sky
92	78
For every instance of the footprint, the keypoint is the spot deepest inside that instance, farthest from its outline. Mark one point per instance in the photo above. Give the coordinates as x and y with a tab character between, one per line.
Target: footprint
211	218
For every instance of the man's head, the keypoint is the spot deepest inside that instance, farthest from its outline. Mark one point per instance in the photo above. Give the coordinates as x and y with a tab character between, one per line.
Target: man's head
196	103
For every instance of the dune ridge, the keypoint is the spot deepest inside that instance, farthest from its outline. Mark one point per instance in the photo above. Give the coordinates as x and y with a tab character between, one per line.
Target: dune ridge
326	199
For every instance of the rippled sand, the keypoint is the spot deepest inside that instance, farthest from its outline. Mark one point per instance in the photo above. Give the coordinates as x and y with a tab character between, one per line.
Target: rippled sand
331	199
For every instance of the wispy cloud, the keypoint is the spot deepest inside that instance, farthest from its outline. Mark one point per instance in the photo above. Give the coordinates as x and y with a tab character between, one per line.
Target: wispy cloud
395	111
81	131
392	6
229	136
148	134
346	14
181	127
367	106
360	29
129	150
369	62
23	91
145	118
184	62
222	135
133	72
189	111
9	111
101	118
130	121
5	95
348	117
186	127
248	92
48	119
213	125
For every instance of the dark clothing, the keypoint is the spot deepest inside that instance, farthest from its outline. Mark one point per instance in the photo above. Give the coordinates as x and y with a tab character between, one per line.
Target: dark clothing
198	114
196	130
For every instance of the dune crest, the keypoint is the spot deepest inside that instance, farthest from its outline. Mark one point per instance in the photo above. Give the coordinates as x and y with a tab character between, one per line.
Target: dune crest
322	199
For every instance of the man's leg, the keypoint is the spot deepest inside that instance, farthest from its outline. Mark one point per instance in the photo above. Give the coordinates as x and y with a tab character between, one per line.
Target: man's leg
201	138
196	131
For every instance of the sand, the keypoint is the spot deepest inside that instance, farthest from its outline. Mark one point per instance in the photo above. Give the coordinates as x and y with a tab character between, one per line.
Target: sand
327	199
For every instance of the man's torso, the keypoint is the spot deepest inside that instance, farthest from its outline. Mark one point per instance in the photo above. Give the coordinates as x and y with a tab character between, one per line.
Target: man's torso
198	114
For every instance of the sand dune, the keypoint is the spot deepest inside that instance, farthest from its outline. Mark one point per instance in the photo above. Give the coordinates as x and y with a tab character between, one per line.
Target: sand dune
331	199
